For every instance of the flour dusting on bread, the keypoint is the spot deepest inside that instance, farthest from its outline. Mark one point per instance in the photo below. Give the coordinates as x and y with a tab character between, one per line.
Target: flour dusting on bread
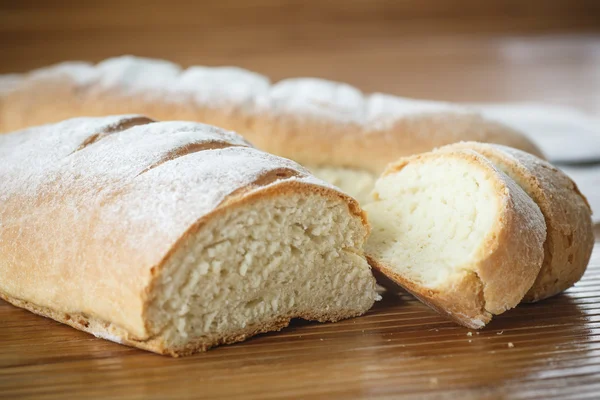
174	236
315	122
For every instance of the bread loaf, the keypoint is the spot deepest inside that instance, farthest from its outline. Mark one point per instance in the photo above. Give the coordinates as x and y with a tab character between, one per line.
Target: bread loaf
172	236
458	233
570	237
332	128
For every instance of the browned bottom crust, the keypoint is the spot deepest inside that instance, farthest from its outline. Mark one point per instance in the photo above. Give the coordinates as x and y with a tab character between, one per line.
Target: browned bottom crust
108	331
463	303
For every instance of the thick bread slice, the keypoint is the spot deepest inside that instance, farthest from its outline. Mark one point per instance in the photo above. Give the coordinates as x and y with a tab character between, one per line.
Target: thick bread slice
172	236
457	233
570	237
329	127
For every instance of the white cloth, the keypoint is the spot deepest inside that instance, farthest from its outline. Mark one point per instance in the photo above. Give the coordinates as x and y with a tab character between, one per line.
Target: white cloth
565	135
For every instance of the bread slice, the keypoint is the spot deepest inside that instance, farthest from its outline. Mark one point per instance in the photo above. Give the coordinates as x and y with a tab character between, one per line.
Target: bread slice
332	128
172	236
456	232
570	237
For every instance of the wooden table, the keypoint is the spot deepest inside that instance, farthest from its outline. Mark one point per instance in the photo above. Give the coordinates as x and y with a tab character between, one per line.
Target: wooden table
547	350
400	347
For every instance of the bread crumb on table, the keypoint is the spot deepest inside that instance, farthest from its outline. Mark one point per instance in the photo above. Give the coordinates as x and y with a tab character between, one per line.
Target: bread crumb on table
510	345
469	333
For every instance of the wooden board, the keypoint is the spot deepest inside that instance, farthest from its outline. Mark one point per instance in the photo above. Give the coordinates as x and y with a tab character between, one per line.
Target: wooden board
546	350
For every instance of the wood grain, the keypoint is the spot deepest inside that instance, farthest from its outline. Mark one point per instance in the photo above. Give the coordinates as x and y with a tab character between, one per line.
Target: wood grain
546	350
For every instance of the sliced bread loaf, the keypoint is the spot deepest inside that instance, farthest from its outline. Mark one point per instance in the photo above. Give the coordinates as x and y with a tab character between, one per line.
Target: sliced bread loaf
456	232
174	236
570	238
332	128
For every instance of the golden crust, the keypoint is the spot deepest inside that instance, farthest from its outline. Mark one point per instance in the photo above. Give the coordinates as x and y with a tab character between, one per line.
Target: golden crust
570	238
463	303
318	142
507	263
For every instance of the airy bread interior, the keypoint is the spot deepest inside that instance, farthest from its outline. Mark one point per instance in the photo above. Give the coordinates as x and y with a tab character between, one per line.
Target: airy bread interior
358	183
258	265
457	233
430	218
569	239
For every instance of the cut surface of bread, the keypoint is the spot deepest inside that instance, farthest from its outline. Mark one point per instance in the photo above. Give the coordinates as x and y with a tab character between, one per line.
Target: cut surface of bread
173	236
321	124
457	233
570	237
358	183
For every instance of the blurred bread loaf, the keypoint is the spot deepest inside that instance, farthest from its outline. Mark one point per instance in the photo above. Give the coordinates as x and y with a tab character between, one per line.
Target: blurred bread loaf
332	128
